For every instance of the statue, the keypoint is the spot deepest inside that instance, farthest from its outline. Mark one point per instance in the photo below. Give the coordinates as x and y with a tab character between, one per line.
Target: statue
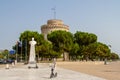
32	57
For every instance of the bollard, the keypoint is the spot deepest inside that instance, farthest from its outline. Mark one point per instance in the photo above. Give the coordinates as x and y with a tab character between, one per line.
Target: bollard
105	61
7	66
13	64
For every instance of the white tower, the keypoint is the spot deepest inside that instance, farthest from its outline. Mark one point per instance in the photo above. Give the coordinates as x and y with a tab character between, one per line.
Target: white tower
52	25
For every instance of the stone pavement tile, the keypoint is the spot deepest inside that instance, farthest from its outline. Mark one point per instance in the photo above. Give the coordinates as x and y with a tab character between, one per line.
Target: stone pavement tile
42	73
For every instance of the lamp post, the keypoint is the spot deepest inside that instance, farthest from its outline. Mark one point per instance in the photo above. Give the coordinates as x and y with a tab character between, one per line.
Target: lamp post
25	51
21	49
16	51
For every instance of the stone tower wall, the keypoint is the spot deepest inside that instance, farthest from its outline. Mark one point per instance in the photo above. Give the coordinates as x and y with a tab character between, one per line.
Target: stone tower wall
53	25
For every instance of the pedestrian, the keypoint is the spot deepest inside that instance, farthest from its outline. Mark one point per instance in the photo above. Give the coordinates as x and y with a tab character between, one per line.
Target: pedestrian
53	69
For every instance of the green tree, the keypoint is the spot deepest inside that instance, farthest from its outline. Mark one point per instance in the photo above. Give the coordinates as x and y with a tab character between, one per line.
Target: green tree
5	54
74	52
81	45
62	41
46	51
25	37
114	56
84	38
103	51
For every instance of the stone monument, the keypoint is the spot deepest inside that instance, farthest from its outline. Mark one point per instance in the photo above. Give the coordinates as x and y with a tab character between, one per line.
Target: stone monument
32	57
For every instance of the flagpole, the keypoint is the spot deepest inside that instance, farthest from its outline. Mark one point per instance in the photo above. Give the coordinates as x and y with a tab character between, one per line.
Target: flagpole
54	11
21	50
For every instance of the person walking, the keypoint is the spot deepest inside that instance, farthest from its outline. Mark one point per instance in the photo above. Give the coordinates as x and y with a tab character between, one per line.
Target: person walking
53	69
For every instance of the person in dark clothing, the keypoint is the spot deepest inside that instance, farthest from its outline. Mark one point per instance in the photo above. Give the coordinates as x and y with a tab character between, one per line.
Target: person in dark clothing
52	70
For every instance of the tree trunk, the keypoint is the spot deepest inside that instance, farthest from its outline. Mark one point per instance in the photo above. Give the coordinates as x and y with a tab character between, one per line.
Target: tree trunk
65	56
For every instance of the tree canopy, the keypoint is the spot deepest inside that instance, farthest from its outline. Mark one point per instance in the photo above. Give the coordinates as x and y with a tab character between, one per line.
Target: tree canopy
84	38
81	46
61	40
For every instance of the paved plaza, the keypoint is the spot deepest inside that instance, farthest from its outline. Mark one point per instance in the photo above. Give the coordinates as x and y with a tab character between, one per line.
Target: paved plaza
21	72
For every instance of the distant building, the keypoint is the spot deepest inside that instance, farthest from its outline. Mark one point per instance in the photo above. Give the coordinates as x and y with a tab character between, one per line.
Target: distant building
53	25
1	51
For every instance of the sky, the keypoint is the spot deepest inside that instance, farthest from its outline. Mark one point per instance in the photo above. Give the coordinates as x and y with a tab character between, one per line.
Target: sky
101	17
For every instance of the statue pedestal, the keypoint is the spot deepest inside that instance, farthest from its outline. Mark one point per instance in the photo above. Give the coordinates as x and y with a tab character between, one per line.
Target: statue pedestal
32	65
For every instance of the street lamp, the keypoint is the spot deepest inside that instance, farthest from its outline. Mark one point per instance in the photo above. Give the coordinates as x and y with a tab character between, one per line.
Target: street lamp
16	51
20	45
25	51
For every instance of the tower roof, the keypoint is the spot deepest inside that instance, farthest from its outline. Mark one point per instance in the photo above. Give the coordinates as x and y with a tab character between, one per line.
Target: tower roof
55	21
